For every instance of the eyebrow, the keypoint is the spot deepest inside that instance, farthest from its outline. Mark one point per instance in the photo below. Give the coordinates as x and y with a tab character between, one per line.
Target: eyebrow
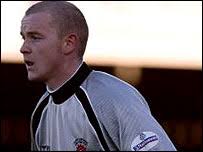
31	33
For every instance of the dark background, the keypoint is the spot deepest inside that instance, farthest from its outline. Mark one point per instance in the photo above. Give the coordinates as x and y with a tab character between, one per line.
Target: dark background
174	96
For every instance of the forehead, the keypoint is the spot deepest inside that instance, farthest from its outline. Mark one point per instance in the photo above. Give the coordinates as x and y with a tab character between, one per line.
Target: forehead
36	21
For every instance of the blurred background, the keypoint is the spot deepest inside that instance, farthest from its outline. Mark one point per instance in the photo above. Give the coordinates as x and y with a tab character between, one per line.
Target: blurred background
154	45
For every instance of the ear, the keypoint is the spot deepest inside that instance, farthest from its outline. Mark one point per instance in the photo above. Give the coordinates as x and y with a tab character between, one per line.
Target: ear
69	43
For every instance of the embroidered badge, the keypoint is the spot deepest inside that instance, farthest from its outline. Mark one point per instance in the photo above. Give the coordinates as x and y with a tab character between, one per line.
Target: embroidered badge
145	141
81	144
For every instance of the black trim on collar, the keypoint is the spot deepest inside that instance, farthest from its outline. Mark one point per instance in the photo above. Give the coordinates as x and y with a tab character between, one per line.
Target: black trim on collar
70	87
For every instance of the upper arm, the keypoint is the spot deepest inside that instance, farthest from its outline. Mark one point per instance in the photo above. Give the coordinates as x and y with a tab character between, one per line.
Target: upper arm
132	127
140	130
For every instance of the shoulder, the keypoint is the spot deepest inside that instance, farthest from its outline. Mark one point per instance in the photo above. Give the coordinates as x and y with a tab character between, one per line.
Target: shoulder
109	92
108	84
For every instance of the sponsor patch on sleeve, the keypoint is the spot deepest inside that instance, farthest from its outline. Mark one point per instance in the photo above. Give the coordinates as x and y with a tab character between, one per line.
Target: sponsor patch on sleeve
145	141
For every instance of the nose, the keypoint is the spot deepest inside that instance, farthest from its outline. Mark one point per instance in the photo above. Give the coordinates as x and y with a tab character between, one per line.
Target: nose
24	48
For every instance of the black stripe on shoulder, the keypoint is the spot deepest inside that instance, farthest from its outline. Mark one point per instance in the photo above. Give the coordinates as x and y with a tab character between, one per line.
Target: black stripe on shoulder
38	113
91	116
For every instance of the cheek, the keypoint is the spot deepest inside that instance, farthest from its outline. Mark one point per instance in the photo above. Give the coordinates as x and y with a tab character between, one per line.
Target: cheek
49	58
48	53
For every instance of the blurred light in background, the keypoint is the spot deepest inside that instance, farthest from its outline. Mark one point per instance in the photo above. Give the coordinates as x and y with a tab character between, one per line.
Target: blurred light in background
165	34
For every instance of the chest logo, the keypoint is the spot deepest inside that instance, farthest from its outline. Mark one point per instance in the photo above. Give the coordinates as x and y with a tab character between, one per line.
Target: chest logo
80	144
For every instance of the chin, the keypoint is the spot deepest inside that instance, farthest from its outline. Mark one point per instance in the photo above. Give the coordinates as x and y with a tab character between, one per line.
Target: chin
32	77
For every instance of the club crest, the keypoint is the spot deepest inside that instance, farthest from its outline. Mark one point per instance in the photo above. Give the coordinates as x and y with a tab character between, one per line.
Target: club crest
80	144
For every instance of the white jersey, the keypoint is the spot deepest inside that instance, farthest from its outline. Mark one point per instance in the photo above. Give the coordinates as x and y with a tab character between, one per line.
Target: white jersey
95	111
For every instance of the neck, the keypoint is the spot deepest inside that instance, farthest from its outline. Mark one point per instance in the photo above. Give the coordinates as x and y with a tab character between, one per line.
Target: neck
67	71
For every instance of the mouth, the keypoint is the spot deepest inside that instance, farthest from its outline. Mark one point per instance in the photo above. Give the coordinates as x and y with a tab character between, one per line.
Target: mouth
29	63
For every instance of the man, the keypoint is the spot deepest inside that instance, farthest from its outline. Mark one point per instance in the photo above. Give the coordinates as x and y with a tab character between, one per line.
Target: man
82	109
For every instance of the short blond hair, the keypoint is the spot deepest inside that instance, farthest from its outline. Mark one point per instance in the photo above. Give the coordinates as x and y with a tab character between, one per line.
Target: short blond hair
66	17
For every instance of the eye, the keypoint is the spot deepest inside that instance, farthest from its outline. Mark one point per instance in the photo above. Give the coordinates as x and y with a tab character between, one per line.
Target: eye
34	37
22	36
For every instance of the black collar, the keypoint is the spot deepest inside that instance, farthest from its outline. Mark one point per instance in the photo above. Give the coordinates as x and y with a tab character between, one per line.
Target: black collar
70	87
